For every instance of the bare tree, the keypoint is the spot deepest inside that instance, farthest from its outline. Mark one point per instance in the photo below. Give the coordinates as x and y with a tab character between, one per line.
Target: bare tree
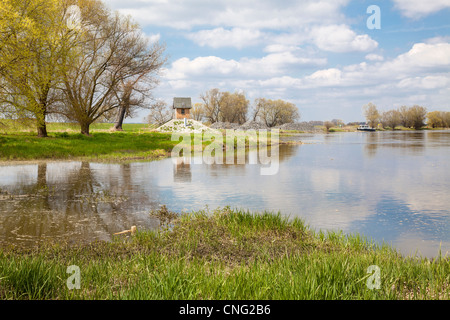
391	118
135	92
372	115
328	125
211	104
418	115
225	106
198	112
115	58
275	112
446	119
233	107
405	119
257	108
159	113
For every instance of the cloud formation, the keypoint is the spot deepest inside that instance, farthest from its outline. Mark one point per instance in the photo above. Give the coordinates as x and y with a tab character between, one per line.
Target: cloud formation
318	54
261	14
418	8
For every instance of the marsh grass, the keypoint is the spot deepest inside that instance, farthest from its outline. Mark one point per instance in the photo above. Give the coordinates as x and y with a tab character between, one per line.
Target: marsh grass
223	254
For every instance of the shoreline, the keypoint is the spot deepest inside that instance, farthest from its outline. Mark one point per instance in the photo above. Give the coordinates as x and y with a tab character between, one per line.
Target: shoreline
58	146
223	254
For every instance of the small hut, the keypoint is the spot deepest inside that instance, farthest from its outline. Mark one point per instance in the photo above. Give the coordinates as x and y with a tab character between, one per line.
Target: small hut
182	108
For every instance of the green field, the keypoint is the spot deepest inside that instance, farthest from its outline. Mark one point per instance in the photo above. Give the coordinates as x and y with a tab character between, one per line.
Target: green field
19	142
64	143
224	254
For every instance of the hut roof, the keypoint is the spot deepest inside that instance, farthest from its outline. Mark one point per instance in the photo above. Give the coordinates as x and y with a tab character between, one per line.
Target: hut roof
182	103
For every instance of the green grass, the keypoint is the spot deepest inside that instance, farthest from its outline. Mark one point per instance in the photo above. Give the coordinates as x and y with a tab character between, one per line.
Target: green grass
222	254
136	142
64	143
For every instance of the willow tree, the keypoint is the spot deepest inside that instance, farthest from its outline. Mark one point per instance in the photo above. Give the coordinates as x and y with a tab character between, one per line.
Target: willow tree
34	38
372	115
113	57
275	112
391	118
233	107
224	106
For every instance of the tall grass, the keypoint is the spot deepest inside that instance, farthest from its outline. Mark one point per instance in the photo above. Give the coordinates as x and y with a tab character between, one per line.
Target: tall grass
224	254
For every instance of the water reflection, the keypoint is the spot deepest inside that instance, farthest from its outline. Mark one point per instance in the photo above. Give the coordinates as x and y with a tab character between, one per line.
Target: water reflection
68	201
390	186
407	142
182	170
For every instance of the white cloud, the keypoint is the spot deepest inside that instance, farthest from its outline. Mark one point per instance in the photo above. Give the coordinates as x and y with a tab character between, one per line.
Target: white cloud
326	77
273	64
220	37
152	38
439	39
420	75
420	8
185	68
422	57
427	82
426	62
263	14
340	38
374	57
239	24
274	48
333	38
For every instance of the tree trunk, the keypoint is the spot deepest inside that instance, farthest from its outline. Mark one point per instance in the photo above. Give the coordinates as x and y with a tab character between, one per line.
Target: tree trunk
42	130
41	113
120	117
124	105
85	128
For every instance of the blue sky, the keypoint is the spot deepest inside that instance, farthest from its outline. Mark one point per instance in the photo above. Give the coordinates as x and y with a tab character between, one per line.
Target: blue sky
319	55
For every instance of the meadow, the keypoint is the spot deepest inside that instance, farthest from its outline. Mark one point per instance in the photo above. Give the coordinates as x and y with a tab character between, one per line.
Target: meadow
135	142
223	254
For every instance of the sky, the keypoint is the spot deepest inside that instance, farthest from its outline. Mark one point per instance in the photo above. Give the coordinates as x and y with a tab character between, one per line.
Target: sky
328	57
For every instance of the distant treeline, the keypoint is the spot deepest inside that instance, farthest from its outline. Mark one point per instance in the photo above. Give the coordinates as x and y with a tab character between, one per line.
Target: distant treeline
224	106
414	117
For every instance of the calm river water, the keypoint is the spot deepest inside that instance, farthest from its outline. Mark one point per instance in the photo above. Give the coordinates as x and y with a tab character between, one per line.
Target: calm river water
389	186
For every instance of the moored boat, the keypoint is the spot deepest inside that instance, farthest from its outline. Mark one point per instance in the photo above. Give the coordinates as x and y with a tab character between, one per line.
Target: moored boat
365	127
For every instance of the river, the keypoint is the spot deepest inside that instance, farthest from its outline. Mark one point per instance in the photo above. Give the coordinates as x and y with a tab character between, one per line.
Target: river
388	186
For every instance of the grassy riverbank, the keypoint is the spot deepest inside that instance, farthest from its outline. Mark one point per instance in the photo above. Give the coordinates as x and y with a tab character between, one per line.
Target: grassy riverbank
64	143
225	254
135	142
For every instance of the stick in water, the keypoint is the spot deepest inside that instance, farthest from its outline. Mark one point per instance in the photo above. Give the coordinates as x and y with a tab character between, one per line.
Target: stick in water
132	230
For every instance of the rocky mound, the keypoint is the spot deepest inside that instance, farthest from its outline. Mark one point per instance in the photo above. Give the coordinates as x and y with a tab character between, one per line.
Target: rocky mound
298	126
253	125
224	125
177	125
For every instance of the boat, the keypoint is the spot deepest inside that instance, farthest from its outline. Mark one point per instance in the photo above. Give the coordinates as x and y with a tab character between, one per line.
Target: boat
365	127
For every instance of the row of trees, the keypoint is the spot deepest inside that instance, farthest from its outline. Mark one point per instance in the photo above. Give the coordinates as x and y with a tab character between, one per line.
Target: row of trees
408	117
438	119
75	60
224	106
220	106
